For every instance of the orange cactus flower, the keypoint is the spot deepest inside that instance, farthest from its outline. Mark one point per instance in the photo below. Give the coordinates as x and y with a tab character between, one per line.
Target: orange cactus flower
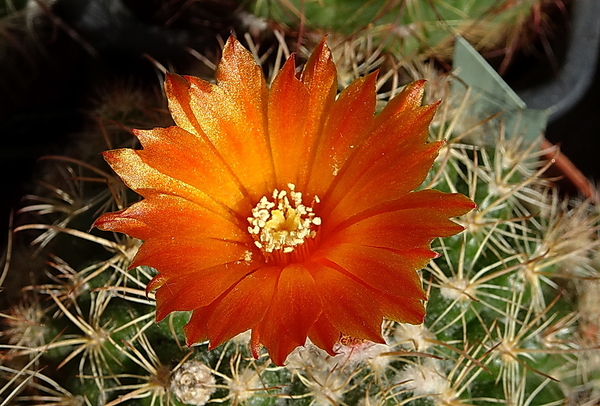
286	210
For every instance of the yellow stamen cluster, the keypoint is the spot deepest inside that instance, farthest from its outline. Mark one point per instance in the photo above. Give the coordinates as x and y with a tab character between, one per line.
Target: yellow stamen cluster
284	223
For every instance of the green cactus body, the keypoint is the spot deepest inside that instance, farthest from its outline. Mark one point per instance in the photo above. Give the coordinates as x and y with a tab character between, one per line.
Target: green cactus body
511	311
409	28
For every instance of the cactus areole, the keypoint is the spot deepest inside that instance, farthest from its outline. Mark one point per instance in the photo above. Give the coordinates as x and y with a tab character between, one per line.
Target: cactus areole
288	209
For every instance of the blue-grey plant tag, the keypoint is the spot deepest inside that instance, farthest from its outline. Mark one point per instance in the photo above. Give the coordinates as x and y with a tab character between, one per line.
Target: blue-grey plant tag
489	95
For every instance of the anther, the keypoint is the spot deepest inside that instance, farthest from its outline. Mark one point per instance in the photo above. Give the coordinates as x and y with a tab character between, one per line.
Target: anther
284	223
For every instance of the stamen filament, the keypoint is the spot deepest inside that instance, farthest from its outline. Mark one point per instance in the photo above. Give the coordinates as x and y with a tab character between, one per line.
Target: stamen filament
280	226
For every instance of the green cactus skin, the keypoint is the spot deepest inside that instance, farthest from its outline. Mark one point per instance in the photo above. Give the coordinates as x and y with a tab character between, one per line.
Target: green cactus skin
417	28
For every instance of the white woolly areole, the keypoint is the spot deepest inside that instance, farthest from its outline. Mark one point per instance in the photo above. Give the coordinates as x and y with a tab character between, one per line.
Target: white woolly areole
244	385
365	352
193	383
426	379
329	375
456	288
413	337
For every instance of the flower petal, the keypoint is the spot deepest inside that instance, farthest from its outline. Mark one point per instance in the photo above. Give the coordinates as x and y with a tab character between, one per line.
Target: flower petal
396	308
424	214
351	306
383	270
320	77
178	256
147	181
192	290
409	99
296	303
390	273
170	216
298	108
232	115
348	124
288	104
274	336
190	159
324	335
243	307
155	283
390	177
181	104
401	125
196	330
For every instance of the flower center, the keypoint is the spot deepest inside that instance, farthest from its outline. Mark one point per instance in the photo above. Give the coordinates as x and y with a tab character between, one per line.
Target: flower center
281	225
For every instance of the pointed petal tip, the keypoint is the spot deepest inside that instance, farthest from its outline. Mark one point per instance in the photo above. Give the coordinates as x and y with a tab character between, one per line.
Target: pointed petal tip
191	336
465	202
372	77
170	80
113	221
435	105
277	360
417	88
255	345
235	56
136	262
170	76
108	154
231	44
369	80
160	314
175	85
410	99
196	330
320	65
288	70
155	283
101	221
324	52
116	156
234	47
428	111
415	314
231	48
322	47
415	92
